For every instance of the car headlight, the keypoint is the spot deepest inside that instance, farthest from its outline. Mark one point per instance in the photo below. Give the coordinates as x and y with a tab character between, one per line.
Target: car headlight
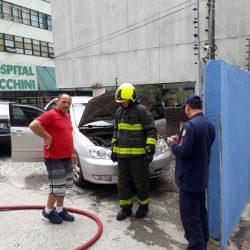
161	147
99	152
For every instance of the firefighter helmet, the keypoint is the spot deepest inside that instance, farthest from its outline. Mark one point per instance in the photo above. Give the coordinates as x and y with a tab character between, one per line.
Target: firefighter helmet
125	92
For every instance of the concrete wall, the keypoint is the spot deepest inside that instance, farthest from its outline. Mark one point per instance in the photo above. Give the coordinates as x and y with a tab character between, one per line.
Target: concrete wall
227	102
157	52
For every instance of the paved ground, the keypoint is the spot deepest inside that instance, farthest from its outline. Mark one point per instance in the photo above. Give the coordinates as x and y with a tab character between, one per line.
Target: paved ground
26	183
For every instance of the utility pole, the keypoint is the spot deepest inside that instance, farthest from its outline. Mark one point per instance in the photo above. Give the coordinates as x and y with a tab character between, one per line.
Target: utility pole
198	85
116	82
211	29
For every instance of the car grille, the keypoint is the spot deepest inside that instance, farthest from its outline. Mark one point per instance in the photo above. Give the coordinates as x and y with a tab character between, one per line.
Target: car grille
155	173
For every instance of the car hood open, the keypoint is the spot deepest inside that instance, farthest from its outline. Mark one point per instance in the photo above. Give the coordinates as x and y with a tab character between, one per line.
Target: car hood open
103	107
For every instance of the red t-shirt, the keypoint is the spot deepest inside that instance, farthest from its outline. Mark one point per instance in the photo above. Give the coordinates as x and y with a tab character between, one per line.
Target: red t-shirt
58	125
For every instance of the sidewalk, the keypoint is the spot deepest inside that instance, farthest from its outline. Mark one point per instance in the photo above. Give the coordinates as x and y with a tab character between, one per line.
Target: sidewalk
240	239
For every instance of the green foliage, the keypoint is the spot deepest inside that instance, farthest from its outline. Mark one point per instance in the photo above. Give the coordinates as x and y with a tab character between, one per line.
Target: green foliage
155	90
176	97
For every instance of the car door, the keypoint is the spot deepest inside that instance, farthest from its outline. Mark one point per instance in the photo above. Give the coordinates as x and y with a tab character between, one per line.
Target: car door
25	145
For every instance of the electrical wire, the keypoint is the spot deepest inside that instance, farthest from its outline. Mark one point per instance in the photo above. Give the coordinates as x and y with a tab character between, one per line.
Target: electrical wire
82	46
113	33
89	45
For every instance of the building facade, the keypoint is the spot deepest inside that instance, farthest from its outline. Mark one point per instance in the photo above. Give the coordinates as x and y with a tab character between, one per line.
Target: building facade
143	41
27	66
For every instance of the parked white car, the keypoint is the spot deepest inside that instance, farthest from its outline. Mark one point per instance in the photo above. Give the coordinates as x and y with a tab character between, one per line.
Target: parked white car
92	120
4	125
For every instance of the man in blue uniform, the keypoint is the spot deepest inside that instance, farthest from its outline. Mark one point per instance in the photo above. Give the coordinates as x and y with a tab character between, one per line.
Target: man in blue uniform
192	150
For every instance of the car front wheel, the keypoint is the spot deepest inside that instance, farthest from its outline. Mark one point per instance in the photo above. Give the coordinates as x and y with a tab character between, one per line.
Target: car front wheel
78	176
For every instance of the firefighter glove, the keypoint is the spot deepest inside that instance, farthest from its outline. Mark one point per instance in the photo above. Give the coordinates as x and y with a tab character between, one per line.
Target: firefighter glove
150	151
114	157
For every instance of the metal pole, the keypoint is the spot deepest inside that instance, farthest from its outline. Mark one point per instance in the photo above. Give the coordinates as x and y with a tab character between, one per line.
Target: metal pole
116	82
198	85
211	30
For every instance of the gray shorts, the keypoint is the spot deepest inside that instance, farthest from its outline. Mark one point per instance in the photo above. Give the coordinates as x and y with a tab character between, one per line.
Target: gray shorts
60	175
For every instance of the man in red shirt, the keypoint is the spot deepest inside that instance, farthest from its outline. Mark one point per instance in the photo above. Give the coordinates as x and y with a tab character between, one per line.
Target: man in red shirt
55	128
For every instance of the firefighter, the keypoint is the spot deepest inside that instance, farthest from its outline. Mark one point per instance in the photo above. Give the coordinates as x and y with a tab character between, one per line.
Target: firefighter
133	147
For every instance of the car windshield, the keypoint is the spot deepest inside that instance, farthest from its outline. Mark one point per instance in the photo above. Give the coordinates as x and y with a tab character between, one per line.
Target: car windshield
78	109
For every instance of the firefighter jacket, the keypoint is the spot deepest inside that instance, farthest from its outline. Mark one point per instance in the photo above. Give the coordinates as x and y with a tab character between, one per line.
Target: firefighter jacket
134	129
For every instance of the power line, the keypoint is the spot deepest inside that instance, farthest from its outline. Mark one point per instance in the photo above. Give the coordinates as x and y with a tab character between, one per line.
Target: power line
85	46
227	51
80	47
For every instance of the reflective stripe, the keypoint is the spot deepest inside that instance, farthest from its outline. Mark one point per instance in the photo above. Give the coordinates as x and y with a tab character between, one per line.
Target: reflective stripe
129	151
126	202
113	140
144	202
151	141
127	126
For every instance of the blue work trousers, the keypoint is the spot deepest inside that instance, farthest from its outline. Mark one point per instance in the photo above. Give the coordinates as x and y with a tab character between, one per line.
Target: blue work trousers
194	219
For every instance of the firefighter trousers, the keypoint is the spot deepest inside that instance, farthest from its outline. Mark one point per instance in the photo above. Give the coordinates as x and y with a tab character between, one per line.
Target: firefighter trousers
133	178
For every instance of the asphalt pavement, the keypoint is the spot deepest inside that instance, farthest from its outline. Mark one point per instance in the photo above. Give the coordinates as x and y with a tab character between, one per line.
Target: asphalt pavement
26	184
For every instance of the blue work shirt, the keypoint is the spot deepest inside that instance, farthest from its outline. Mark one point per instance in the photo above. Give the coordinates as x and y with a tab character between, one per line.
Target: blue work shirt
193	151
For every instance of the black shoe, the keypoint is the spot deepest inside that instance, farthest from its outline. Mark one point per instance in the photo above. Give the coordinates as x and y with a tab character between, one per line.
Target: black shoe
141	211
124	213
53	217
66	216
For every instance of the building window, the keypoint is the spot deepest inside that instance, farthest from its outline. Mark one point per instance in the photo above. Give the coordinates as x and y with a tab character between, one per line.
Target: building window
43	22
36	48
44	49
27	46
17	13
34	18
1	9
19	45
24	15
49	22
7	13
9	43
1	42
51	50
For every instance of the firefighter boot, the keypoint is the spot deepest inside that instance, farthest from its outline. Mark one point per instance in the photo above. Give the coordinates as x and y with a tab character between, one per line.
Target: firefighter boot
124	213
141	211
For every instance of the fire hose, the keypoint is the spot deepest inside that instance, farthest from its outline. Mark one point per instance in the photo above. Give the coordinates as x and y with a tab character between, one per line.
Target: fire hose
72	210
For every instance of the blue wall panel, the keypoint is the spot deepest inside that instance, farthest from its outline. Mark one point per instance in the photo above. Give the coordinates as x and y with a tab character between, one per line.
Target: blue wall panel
228	97
213	110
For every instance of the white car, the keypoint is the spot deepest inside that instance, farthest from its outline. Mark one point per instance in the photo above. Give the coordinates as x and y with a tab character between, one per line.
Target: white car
4	125
92	120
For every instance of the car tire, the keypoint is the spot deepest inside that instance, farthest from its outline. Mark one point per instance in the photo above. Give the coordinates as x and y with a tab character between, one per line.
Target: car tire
78	176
